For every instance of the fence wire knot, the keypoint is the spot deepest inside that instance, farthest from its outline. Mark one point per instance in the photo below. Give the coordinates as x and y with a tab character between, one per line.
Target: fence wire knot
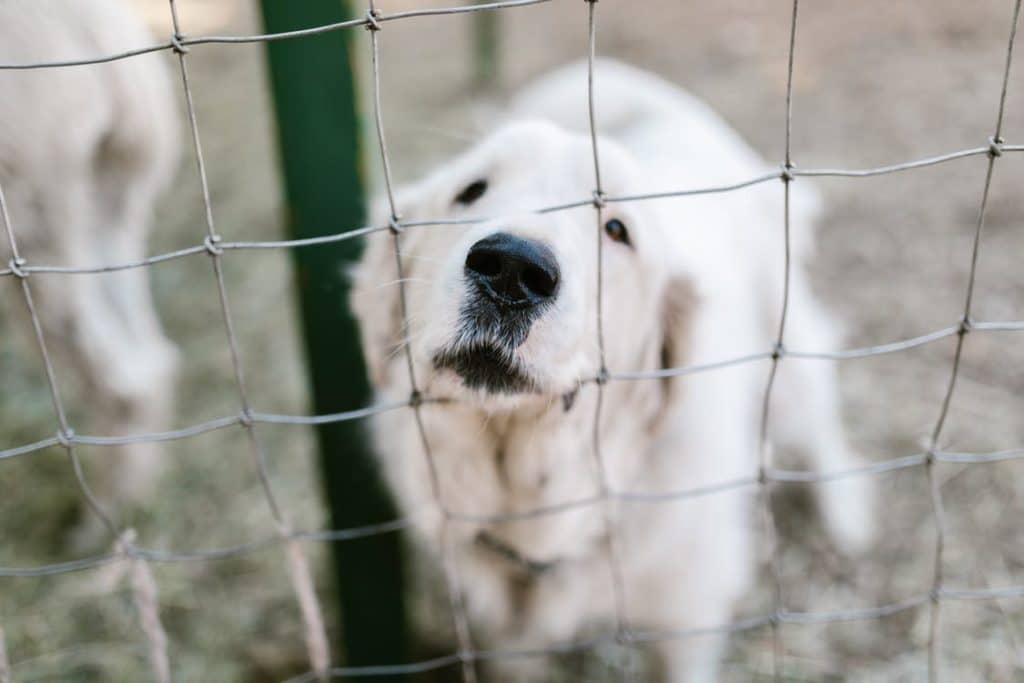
598	198
178	46
395	225
16	266
787	172
212	245
245	417
964	326
415	398
372	15
995	147
66	437
778	351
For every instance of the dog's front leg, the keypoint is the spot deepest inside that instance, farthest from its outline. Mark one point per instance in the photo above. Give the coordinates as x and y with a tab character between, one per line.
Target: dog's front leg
519	669
696	659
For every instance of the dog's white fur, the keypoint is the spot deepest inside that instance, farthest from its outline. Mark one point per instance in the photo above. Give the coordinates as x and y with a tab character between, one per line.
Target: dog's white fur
84	152
702	283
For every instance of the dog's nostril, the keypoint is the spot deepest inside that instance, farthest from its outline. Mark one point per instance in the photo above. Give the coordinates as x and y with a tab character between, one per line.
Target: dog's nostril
484	262
539	282
512	270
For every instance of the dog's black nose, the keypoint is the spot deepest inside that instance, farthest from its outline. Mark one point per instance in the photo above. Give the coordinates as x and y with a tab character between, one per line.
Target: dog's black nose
513	270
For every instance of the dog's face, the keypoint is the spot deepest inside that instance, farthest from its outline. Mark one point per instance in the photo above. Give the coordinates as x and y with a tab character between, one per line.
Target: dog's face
506	308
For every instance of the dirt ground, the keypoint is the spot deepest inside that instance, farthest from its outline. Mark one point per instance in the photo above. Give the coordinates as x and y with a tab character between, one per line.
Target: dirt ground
876	82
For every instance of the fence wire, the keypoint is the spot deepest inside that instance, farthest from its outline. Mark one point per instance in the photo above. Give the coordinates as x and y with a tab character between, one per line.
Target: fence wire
291	541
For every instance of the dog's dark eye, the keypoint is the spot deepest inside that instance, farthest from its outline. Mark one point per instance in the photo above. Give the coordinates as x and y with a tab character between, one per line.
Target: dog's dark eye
616	229
473	192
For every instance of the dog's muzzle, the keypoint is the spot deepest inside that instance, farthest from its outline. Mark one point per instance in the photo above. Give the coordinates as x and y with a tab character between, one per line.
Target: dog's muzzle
510	281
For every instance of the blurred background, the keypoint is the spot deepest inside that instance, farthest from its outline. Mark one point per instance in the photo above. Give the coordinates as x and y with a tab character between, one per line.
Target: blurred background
876	82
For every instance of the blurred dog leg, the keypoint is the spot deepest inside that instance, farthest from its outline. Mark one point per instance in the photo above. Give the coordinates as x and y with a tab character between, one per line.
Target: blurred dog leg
85	152
806	418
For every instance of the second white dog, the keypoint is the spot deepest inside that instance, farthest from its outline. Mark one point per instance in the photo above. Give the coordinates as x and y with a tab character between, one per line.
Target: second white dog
84	153
503	320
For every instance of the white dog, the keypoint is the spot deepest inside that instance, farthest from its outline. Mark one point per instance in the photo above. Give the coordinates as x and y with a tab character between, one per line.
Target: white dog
502	319
84	152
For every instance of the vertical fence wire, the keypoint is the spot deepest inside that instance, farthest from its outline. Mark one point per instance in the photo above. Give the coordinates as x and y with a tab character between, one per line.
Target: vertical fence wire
612	550
296	561
146	605
764	446
449	560
934	484
64	432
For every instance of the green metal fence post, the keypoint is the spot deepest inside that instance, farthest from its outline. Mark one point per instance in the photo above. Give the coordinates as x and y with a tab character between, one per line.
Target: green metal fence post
319	133
486	50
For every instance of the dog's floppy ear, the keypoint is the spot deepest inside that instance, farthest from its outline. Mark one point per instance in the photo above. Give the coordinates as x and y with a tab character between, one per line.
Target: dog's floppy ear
679	302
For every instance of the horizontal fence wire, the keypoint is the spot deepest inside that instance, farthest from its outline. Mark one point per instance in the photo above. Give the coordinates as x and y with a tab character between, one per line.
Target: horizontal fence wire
285	537
370	411
228	246
336	535
179	41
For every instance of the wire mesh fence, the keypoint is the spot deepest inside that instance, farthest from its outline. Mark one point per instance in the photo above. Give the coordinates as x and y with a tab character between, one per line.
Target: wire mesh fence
291	541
